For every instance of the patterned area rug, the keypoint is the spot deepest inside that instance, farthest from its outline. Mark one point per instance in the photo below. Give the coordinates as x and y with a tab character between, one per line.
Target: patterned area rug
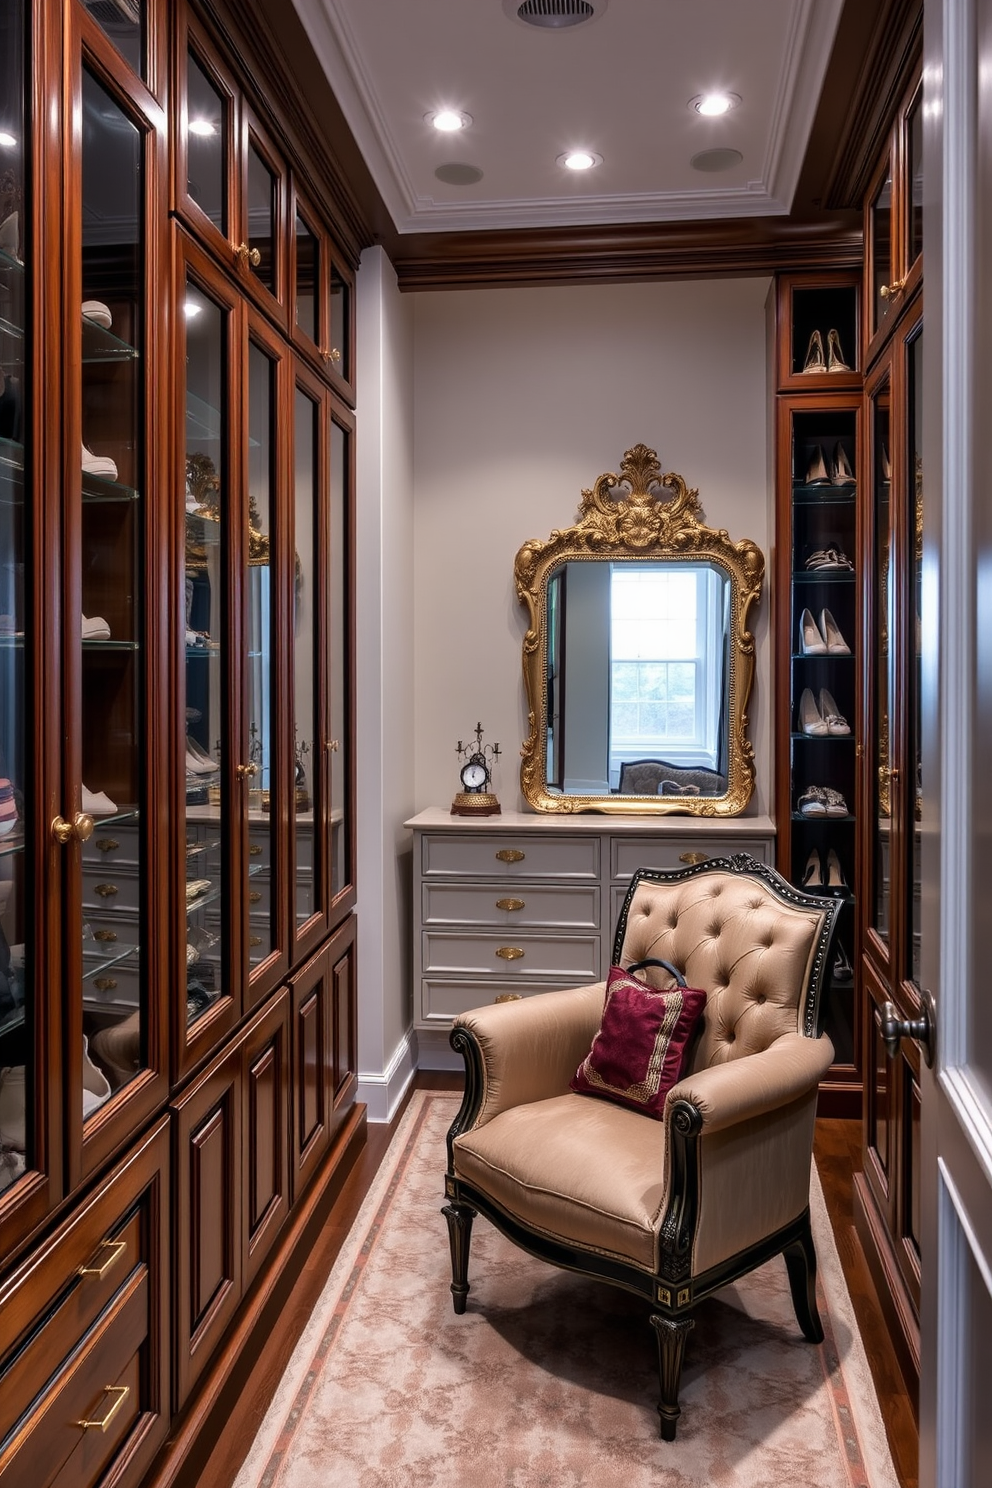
549	1380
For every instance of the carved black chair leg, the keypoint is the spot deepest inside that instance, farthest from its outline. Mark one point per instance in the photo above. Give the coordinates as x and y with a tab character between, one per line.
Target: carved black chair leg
459	1217
800	1258
672	1334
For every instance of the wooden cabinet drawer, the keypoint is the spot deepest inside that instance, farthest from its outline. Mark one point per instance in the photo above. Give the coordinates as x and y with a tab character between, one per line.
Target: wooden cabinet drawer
510	856
444	999
631	853
537	905
570	958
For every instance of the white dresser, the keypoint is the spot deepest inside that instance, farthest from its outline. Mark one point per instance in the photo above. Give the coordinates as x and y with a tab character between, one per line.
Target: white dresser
523	903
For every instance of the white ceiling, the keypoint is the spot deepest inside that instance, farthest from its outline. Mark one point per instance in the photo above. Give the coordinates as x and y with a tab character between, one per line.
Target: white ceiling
618	85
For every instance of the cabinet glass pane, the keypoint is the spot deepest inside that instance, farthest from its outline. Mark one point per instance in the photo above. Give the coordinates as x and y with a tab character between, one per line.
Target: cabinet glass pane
914	792
206	493
307	280
262	218
124	22
337	619
111	588
306	683
206	144
340	322
914	146
258	583
880	907
881	252
16	972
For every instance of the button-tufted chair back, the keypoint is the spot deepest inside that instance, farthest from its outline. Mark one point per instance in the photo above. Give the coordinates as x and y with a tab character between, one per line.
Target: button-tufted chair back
739	938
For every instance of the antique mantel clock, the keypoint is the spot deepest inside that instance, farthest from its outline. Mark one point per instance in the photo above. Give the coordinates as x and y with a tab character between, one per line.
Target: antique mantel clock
476	799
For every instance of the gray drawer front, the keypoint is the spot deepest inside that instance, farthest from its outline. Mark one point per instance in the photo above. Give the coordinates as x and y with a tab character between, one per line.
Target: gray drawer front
631	853
540	906
511	856
441	1001
570	958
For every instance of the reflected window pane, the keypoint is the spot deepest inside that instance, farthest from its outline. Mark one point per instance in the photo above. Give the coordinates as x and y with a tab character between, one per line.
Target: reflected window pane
307	280
124	22
881	909
261	494
306	686
206	137
206	476
881	244
915	167
111	540
262	218
339	652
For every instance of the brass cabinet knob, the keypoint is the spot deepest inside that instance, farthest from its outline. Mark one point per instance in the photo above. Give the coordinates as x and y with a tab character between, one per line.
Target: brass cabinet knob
333	355
334	745
105	984
255	850
246	772
80	829
106	936
887	290
511	904
107	844
510	855
510	953
246	256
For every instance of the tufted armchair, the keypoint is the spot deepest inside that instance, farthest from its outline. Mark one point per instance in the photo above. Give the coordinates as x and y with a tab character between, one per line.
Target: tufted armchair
670	1209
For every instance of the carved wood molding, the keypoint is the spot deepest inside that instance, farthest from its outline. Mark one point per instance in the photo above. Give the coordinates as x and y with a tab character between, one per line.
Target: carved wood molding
627	252
887	70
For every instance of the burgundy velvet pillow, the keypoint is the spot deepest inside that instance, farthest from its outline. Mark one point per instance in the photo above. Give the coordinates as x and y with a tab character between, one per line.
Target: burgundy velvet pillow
641	1047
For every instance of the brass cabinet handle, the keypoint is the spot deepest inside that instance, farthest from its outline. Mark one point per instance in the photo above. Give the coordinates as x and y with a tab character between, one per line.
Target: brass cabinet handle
254	940
105	935
246	256
334	745
246	772
105	984
510	953
255	849
80	829
116	1249
509	997
254	896
106	891
121	1392
333	355
107	844
510	855
510	904
693	858
888	290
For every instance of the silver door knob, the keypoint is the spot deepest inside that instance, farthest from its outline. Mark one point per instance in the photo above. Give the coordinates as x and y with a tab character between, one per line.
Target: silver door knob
924	1028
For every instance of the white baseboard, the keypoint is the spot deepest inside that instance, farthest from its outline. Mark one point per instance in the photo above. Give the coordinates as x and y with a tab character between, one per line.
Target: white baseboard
383	1093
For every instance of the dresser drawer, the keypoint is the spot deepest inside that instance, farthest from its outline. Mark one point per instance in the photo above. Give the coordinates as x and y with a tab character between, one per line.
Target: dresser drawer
443	1000
537	905
571	958
110	886
110	846
510	856
631	853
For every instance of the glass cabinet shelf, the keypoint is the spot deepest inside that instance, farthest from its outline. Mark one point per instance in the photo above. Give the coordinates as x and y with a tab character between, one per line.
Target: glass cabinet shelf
12	1020
100	345
95	488
823	576
818	496
95	962
12	845
110	647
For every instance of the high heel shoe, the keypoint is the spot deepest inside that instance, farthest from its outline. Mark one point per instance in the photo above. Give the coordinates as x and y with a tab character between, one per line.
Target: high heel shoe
831	717
816	472
813	872
810	719
829	630
835	873
841	472
835	357
811	642
815	361
886	467
843	971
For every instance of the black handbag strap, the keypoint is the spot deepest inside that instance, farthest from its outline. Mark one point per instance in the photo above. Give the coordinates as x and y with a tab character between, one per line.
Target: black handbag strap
654	961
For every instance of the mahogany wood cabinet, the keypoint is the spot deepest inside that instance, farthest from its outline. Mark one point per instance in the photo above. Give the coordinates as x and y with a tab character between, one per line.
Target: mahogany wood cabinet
177	904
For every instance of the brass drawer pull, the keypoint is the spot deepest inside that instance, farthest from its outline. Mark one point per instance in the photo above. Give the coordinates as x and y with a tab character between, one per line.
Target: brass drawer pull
105	935
510	953
105	984
121	1392
254	940
509	997
510	855
106	891
254	896
116	1249
510	904
255	850
693	858
107	844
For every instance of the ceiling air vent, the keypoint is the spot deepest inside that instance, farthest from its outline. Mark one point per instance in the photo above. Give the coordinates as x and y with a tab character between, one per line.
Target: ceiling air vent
553	15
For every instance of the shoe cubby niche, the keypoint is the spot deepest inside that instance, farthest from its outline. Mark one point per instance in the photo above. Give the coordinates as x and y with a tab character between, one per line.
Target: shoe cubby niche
818	588
819	332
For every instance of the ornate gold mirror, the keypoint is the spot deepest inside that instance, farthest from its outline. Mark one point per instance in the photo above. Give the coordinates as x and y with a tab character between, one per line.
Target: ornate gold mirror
637	658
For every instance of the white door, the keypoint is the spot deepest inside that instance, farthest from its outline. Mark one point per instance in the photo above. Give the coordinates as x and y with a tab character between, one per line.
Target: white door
956	1382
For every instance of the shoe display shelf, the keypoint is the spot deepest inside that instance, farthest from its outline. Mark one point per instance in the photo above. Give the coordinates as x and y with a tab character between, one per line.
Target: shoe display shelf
818	437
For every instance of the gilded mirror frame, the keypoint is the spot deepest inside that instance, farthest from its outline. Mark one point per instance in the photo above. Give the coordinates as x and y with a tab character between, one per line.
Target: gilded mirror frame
642	513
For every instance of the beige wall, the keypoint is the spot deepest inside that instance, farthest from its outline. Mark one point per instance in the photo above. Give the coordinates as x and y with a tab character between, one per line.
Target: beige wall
521	398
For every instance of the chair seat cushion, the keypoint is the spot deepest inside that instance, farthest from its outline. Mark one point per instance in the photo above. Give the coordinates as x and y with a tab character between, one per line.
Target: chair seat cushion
588	1173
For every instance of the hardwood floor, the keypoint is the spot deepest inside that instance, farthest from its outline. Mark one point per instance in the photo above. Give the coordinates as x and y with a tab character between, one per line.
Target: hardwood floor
838	1155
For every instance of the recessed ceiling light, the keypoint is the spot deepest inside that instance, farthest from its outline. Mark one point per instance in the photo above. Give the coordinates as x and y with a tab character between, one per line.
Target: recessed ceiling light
579	160
449	120
712	105
716	160
7	140
202	127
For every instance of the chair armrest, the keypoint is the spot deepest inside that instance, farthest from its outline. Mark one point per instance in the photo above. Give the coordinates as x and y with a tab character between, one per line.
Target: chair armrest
735	1091
518	1052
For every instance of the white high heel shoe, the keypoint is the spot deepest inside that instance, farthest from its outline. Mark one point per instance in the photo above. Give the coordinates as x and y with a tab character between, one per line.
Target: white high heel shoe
811	642
831	717
829	629
810	720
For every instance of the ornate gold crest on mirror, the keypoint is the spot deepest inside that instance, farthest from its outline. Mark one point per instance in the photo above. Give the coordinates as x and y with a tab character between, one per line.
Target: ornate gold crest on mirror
637	659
